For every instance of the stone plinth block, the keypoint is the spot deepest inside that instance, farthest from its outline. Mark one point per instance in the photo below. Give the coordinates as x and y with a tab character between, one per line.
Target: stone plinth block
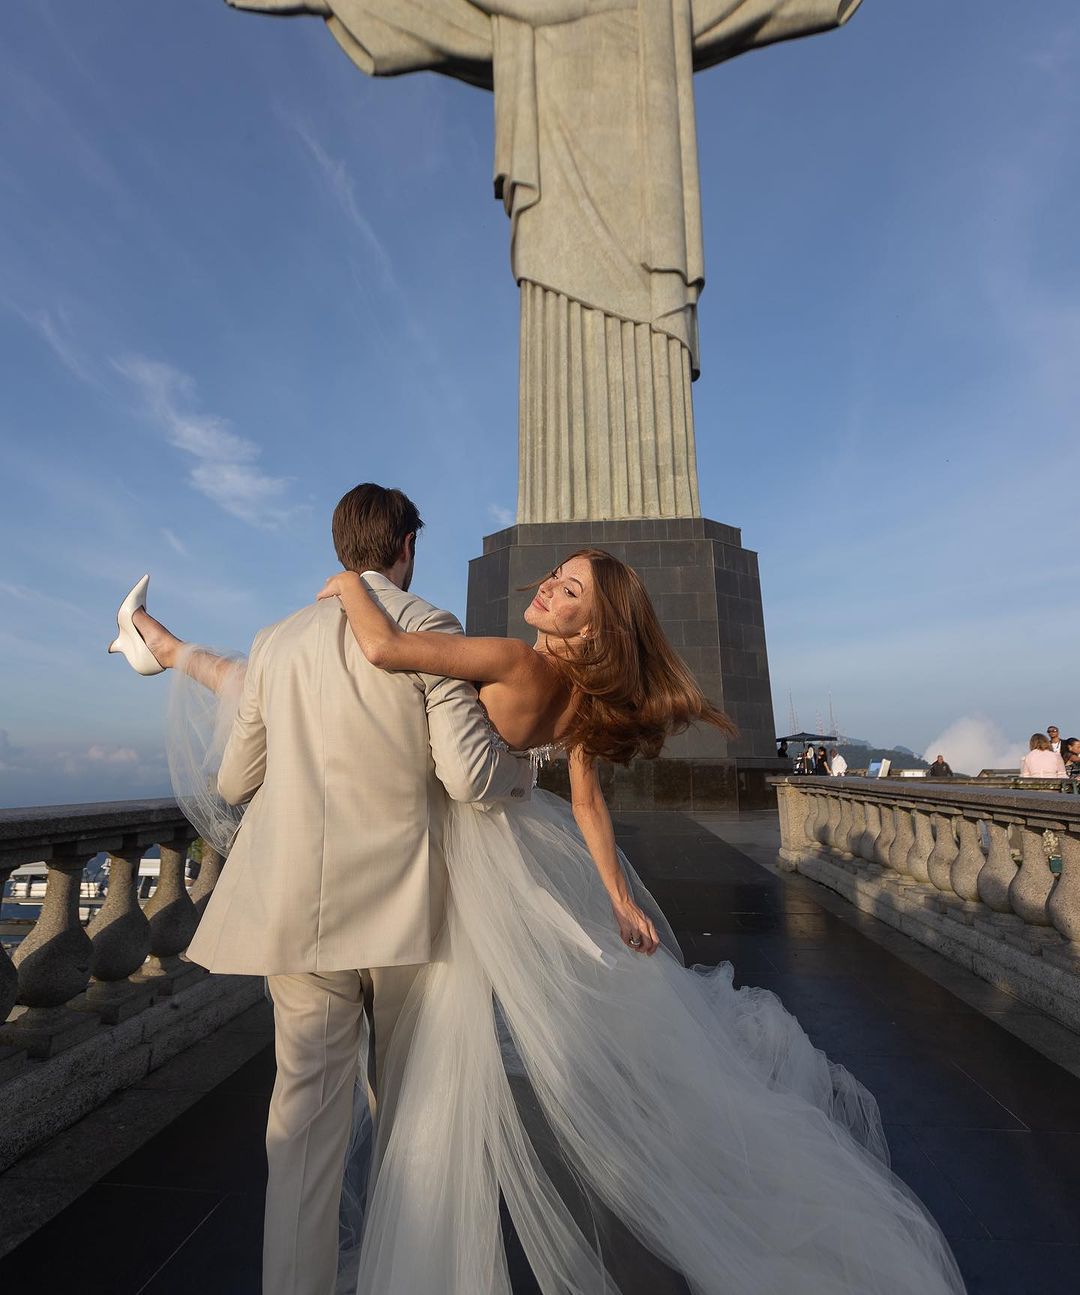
707	592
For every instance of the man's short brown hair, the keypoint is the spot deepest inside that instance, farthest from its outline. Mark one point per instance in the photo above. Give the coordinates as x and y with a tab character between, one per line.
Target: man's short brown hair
370	526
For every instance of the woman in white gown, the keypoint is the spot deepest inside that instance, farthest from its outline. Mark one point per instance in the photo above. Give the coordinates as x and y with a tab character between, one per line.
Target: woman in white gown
649	1127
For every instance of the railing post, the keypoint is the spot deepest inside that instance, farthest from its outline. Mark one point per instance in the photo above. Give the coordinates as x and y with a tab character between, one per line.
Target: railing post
940	861
921	846
997	875
54	966
871	831
209	872
9	977
886	834
173	920
1064	903
969	861
120	935
821	820
856	826
840	824
902	843
1031	886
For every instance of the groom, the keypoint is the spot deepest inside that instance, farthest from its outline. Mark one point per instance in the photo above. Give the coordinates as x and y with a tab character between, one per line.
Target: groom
335	884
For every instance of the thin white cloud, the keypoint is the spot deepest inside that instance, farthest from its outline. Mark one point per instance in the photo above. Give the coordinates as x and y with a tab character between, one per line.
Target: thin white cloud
100	753
342	188
225	470
55	330
175	542
503	516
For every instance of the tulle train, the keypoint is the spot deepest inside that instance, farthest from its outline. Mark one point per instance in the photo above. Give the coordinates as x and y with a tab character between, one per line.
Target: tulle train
649	1128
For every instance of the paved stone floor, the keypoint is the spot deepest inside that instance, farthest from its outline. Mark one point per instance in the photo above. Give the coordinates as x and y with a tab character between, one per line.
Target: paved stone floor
982	1125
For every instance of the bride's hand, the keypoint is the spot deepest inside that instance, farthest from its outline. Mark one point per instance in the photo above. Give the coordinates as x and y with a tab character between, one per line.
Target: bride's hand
635	929
343	582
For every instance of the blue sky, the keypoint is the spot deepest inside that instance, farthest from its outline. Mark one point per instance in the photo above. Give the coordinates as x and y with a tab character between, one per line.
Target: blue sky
237	276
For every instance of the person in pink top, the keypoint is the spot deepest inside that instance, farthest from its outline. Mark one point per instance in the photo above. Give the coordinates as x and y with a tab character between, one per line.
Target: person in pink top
1041	761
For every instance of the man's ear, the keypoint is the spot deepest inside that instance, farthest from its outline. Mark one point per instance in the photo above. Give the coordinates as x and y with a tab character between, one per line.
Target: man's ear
408	549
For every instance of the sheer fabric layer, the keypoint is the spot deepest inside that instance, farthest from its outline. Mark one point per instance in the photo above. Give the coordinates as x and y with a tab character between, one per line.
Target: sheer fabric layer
640	1120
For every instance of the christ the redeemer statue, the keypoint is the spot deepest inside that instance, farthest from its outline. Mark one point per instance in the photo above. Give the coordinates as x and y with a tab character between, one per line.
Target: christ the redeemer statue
596	164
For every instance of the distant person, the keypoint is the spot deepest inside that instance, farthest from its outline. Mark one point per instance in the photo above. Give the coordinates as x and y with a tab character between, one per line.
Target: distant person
821	761
837	764
1040	761
1070	753
781	751
940	768
805	763
1053	733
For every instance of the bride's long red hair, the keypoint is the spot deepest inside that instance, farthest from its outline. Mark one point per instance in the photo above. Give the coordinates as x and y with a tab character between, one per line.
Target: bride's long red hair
632	690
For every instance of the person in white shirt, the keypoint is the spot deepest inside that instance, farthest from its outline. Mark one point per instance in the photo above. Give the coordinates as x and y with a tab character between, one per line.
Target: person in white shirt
1054	734
837	764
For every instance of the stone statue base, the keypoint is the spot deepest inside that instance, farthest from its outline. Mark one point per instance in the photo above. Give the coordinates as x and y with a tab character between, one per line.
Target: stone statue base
707	592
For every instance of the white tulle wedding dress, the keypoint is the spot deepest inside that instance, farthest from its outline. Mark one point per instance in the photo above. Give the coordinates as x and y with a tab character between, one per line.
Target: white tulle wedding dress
648	1127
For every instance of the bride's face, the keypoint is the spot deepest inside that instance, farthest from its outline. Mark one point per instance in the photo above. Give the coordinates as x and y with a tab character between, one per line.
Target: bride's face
563	602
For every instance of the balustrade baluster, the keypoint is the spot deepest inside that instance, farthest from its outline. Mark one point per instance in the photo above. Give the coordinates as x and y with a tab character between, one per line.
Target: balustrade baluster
997	875
871	831
969	861
1064	903
821	822
922	844
842	832
9	977
53	964
1030	888
939	864
791	806
886	834
902	843
120	935
209	871
857	830
173	920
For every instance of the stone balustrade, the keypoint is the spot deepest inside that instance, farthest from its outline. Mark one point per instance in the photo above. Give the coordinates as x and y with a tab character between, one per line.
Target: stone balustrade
988	876
117	997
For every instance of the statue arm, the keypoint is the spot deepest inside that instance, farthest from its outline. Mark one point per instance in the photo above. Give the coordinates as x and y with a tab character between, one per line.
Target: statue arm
723	29
390	37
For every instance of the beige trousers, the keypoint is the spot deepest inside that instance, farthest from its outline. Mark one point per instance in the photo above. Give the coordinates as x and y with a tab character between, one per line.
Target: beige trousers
317	1027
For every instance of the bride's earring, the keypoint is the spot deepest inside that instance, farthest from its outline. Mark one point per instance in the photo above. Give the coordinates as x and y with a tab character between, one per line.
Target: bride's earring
129	641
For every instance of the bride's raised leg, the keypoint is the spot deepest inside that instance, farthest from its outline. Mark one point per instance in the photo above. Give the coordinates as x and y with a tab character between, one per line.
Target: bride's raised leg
205	667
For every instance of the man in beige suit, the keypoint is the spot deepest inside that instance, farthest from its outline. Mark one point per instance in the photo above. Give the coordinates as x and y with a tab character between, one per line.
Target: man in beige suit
335	884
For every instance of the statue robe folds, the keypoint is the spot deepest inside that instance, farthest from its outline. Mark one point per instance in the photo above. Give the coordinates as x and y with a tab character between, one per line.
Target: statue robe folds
596	165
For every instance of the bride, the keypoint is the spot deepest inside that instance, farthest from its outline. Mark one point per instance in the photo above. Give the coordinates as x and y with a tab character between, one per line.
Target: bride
649	1127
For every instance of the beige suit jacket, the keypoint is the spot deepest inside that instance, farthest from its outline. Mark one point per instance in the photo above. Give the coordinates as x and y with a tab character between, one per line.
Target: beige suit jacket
338	861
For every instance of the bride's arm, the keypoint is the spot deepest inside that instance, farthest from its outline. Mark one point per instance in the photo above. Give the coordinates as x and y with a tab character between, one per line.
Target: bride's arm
591	813
455	656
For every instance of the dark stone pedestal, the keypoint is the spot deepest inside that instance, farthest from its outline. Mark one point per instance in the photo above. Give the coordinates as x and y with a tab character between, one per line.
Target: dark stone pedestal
707	592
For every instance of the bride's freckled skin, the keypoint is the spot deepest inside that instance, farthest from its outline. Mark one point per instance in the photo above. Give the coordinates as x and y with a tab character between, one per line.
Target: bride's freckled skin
563	603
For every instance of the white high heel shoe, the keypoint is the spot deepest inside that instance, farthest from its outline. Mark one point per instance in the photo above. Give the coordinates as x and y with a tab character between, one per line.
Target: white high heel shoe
129	641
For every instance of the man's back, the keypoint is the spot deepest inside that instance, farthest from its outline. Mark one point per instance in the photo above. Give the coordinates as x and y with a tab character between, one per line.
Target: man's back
338	860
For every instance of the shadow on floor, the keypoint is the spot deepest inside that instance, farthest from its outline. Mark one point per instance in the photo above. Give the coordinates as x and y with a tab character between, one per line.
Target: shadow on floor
982	1127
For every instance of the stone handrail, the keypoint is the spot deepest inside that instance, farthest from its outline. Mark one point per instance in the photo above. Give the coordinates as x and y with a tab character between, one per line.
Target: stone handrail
988	875
71	980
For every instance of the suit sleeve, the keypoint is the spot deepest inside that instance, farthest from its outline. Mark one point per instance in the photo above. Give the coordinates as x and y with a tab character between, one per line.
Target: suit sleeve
243	763
467	763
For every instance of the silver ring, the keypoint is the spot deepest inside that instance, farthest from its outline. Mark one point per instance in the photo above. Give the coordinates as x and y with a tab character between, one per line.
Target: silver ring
635	941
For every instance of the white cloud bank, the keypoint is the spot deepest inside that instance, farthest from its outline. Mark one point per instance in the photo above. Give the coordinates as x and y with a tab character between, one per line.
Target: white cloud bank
974	743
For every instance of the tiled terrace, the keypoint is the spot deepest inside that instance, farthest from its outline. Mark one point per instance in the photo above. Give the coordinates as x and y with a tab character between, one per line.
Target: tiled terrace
979	1091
